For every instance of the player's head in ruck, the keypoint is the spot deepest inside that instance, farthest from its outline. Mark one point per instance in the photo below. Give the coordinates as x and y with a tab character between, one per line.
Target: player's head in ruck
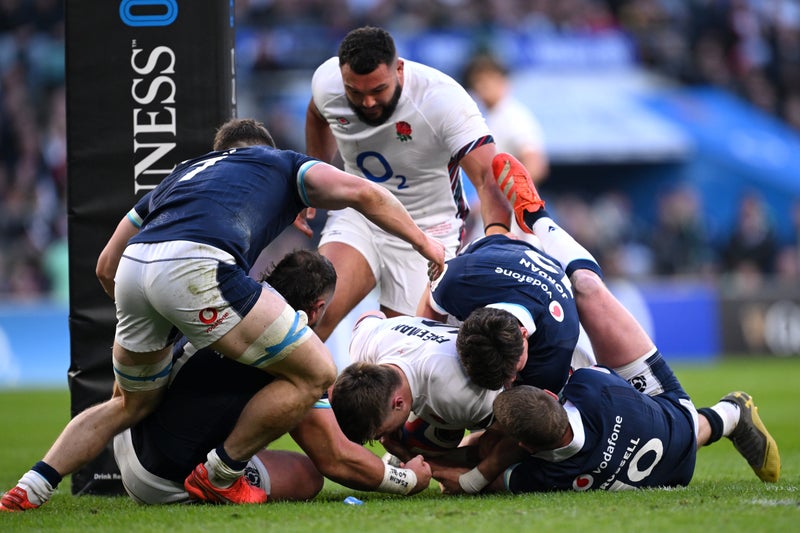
368	402
492	347
306	279
241	132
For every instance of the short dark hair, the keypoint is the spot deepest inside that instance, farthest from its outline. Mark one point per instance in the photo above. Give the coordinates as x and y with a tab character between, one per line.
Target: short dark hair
242	131
365	49
532	416
480	63
489	344
302	277
361	397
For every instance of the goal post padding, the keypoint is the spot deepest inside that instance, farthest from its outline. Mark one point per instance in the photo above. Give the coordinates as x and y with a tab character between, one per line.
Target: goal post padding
148	82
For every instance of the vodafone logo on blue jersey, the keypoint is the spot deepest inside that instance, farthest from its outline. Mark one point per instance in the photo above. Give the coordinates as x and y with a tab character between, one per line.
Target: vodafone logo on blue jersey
582	482
556	311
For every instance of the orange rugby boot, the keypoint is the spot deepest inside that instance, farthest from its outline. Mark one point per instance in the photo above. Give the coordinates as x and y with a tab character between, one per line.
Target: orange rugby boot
200	488
515	182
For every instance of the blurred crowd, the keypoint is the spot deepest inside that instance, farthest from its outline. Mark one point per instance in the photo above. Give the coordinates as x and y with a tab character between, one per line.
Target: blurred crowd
33	155
681	243
749	47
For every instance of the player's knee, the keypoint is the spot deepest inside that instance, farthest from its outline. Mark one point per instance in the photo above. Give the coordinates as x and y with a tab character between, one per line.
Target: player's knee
134	407
324	370
587	283
315	374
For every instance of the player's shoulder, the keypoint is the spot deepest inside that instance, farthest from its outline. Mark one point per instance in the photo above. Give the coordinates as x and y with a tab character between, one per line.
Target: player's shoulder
328	67
512	105
261	153
426	73
427	84
326	82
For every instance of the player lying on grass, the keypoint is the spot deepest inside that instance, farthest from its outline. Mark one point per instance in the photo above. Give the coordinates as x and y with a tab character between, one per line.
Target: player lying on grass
205	396
610	430
407	369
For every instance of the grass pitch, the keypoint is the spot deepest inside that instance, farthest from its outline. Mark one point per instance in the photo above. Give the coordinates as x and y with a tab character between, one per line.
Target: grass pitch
724	496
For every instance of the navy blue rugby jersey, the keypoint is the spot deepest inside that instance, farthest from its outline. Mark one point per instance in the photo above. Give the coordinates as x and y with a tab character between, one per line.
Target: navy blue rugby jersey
238	201
497	269
206	394
623	439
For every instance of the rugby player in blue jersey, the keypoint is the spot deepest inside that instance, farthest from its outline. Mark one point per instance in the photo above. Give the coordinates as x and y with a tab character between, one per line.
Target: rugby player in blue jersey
181	258
207	392
516	284
496	285
630	427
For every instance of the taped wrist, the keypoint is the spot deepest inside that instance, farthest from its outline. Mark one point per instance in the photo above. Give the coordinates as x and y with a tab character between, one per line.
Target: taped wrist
472	482
397	480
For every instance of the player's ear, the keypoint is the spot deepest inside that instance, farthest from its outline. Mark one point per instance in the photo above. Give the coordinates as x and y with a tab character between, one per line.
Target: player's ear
397	402
526	447
315	311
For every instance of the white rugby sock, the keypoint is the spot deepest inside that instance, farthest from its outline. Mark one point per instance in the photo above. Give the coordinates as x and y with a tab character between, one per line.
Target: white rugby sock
37	487
220	474
560	244
729	413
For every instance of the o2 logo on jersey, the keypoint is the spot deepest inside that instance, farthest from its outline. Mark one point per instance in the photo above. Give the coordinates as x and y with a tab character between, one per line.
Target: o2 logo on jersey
556	311
148	13
370	158
582	482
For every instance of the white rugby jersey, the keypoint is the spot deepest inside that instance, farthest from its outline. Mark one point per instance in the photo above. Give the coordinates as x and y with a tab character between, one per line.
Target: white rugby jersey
514	127
425	350
415	153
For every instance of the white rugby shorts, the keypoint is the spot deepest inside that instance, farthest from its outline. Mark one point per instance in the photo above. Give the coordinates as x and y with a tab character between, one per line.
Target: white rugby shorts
401	273
194	287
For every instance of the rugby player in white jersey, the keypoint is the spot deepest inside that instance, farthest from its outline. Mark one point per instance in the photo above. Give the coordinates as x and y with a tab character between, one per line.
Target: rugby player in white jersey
406	384
410	129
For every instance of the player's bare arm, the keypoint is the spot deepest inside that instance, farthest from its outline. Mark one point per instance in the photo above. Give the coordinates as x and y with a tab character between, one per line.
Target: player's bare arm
424	308
108	260
321	144
330	188
341	459
497	452
495	209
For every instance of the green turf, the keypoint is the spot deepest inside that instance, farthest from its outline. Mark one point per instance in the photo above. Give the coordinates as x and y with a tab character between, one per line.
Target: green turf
724	495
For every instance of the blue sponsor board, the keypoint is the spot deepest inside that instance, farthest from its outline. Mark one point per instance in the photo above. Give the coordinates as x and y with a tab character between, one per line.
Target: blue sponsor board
685	319
34	345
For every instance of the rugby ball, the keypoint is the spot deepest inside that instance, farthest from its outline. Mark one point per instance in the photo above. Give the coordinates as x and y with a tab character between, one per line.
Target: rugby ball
418	436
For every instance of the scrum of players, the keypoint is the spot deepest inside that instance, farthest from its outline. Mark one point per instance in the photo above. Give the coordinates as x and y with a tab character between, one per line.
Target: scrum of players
508	367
